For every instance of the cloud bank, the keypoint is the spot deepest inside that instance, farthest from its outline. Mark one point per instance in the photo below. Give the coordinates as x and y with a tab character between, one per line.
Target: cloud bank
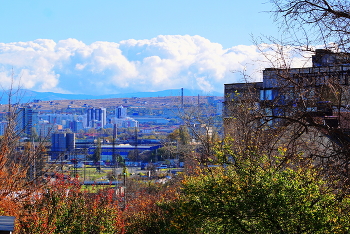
164	62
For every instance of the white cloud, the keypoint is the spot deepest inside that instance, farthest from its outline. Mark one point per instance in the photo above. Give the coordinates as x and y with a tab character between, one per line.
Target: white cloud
164	62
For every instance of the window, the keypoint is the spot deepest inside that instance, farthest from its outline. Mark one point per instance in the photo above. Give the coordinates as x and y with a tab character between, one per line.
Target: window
266	94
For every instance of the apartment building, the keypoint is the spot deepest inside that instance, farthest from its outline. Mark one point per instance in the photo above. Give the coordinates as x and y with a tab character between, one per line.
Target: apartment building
317	95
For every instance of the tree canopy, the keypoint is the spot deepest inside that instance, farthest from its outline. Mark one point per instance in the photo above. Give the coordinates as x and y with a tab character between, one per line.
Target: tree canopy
257	196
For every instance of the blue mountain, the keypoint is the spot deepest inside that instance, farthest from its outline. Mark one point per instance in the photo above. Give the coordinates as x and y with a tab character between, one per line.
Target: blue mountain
25	96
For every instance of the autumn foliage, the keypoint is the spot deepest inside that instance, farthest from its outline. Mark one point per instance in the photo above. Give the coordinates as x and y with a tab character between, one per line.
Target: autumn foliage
63	207
256	194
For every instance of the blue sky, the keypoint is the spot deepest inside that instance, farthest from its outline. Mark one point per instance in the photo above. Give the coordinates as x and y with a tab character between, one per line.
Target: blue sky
115	46
226	22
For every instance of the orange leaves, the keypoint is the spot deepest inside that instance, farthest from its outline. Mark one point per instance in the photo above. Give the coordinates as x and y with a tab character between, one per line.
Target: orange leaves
64	208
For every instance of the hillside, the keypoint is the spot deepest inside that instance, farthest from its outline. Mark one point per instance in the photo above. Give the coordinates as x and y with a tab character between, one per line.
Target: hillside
27	96
145	102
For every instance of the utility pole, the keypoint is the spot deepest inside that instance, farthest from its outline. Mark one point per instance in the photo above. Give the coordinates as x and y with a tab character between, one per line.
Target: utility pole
34	162
124	175
85	155
115	161
136	144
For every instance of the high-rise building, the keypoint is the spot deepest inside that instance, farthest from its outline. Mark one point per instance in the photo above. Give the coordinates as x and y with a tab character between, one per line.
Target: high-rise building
96	115
101	115
90	117
3	126
44	129
26	120
77	126
121	112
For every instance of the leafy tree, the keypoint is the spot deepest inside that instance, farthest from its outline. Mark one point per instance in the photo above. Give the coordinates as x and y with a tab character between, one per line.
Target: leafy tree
96	157
178	146
92	131
174	135
18	180
184	136
143	214
258	197
133	155
120	160
64	207
105	132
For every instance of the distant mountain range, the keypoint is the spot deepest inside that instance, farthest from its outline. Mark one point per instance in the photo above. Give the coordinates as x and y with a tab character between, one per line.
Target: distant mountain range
24	96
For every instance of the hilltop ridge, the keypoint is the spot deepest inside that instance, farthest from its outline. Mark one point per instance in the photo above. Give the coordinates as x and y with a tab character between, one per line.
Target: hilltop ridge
27	96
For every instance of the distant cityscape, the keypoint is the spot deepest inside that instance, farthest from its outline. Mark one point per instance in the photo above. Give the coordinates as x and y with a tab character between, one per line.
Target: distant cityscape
72	127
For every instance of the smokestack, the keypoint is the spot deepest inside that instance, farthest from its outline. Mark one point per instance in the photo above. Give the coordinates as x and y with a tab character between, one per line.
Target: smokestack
182	97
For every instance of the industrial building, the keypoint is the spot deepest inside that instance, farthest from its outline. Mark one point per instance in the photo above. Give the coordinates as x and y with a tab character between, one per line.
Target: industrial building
65	147
96	117
62	141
